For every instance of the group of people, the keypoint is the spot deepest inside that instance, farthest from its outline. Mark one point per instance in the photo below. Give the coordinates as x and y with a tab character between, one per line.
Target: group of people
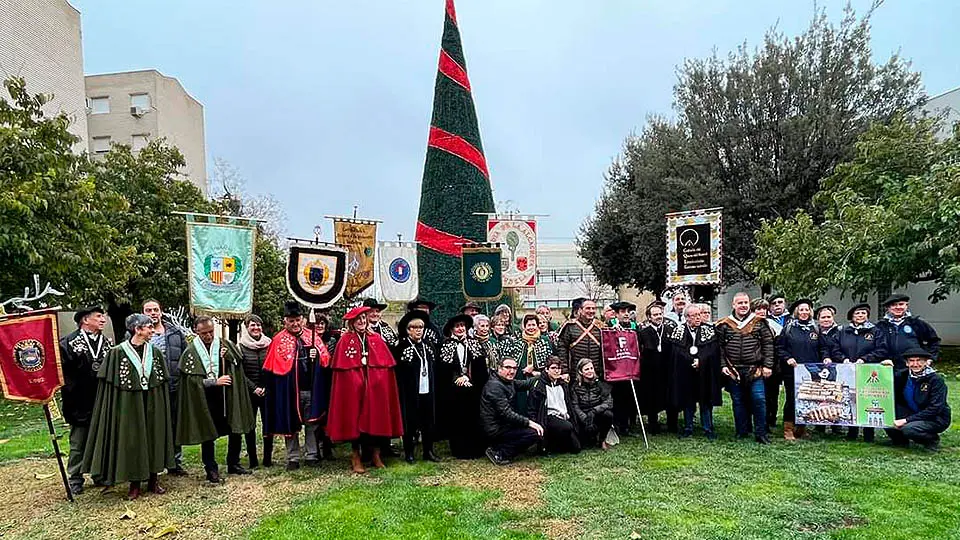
486	387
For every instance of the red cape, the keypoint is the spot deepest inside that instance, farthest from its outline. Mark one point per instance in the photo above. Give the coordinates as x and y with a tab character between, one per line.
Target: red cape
283	351
363	399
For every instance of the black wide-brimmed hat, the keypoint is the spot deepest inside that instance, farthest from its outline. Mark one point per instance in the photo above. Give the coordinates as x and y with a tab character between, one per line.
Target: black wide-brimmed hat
465	319
916	352
894	298
816	313
470	305
292	308
796	303
84	311
774	297
372	303
577	303
617	306
409	318
862	305
413	304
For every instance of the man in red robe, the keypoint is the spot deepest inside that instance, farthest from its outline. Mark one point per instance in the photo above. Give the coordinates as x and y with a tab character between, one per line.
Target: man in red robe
364	401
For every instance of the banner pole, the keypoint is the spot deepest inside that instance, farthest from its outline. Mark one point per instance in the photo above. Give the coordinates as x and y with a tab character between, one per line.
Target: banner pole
56	450
646	444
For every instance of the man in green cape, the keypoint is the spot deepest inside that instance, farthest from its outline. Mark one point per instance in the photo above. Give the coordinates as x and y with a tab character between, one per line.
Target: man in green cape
213	399
131	437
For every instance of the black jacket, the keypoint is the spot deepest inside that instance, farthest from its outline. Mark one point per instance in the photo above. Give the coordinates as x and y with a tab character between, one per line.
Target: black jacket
410	358
869	344
749	347
573	345
912	332
591	399
930	395
801	344
80	367
252	364
496	406
830	345
537	400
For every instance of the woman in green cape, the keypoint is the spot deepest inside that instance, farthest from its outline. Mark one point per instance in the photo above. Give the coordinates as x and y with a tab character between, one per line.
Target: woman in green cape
131	437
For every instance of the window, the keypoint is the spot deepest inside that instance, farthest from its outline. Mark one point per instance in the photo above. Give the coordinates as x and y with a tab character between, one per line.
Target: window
139	141
141	101
100	145
99	105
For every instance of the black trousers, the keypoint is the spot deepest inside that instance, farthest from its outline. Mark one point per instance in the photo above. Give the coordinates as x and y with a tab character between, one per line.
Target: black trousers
771	389
424	424
918	431
208	453
594	434
624	408
789	393
560	435
259	405
514	442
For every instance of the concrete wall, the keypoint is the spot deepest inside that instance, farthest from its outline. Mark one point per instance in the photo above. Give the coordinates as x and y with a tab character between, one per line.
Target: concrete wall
947	104
40	41
173	114
944	315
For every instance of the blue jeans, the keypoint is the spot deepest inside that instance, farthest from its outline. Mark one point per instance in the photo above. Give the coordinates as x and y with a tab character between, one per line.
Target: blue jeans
706	419
741	411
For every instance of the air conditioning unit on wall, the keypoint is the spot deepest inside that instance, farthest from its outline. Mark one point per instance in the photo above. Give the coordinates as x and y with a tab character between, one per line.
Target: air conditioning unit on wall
137	111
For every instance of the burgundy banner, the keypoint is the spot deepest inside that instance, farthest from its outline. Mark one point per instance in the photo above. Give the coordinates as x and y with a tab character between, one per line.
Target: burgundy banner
30	358
621	355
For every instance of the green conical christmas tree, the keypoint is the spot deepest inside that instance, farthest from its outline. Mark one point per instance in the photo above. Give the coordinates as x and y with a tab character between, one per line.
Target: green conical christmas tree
456	183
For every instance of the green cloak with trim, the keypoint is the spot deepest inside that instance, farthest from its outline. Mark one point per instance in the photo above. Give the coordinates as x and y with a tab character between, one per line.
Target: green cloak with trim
130	436
206	413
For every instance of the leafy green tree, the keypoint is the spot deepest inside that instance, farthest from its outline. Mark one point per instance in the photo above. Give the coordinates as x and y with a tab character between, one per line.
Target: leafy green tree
56	220
755	131
150	183
890	216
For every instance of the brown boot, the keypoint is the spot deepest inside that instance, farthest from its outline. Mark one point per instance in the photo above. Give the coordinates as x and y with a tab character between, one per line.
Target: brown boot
788	431
377	462
355	464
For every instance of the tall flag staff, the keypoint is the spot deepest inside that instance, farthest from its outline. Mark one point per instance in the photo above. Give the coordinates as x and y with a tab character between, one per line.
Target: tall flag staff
316	273
30	369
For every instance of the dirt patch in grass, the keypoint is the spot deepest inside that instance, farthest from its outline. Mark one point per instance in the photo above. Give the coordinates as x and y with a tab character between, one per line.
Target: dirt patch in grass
191	508
520	485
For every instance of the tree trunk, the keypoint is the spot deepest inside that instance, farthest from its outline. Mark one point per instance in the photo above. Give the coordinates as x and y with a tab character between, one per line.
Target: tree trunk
118	315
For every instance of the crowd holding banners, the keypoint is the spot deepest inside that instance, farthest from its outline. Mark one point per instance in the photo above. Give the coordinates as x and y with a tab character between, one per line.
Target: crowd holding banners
367	391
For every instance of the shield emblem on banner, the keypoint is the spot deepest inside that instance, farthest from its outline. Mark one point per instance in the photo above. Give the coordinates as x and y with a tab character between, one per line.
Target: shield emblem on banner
316	275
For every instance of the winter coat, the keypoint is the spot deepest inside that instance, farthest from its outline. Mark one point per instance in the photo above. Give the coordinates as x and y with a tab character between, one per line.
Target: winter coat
800	344
537	400
573	345
912	332
869	344
930	395
747	345
591	399
496	406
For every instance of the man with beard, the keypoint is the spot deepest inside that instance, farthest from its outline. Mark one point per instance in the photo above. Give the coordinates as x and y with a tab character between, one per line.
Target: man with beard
295	388
416	378
580	338
376	324
172	341
695	372
214	399
81	353
654	375
748	353
463	370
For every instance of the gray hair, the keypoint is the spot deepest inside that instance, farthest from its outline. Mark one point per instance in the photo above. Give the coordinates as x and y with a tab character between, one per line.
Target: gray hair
479	318
501	308
137	320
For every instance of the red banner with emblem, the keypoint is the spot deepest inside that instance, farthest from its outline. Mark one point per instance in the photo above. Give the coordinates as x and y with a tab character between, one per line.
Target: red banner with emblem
30	358
621	355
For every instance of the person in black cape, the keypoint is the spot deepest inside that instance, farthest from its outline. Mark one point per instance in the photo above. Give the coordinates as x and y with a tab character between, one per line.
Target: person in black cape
695	372
463	373
416	379
654	375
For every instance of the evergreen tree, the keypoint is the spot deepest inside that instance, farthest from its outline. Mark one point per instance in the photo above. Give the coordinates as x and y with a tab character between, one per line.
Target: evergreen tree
456	182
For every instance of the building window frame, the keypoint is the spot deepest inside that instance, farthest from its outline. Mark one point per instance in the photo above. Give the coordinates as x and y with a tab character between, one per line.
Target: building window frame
133	141
93	101
98	148
143	106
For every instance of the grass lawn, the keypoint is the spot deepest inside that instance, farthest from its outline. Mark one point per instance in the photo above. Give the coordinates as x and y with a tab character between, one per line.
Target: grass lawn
822	488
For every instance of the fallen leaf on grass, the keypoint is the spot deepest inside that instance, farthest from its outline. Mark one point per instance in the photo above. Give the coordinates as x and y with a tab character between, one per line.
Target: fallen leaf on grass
4	441
169	529
128	514
39	476
635	536
145	528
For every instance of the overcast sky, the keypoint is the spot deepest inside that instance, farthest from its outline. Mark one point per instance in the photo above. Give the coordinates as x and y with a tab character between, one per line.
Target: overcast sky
327	104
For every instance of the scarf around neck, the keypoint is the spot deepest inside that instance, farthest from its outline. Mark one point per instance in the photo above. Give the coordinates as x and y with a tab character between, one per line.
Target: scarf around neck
247	341
926	371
